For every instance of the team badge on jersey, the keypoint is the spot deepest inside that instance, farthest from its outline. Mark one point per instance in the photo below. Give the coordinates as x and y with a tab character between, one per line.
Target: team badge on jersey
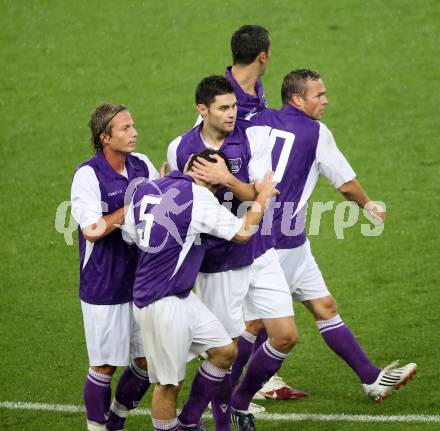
235	165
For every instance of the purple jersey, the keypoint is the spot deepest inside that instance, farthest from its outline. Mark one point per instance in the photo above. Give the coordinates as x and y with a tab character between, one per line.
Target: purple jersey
302	148
246	103
165	219
248	153
107	265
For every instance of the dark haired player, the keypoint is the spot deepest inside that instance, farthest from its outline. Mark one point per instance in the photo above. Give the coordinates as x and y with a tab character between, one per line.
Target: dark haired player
164	220
107	266
226	277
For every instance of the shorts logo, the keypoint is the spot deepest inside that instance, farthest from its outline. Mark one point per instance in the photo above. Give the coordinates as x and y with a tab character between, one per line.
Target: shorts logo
117	192
235	165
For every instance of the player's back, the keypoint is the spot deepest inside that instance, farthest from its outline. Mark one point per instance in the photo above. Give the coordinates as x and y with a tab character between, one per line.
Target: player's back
294	138
168	258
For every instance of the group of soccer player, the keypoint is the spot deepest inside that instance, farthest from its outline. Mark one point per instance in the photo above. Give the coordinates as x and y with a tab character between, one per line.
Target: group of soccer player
227	222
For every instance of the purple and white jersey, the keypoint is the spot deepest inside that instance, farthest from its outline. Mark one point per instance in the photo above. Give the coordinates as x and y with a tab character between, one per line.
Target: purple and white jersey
107	265
247	149
246	103
302	149
164	220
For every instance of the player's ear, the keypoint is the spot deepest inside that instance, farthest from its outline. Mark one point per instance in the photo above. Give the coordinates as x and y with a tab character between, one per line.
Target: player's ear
262	57
297	100
202	109
105	139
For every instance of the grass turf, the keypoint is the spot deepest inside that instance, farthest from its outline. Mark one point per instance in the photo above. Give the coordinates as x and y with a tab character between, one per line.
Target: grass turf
378	61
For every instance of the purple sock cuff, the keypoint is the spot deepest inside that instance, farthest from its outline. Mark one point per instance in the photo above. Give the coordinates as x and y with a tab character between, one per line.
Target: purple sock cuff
275	354
99	378
138	372
328	325
212	372
248	337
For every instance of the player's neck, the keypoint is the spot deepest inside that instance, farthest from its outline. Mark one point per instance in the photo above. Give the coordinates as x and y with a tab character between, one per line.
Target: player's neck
213	137
246	77
115	159
210	187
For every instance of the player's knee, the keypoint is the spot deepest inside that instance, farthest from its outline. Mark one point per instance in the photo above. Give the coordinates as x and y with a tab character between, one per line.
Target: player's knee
285	340
328	309
254	326
223	357
108	370
141	363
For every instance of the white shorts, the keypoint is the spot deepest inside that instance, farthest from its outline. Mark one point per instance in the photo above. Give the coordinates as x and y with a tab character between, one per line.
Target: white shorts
112	334
302	273
171	328
268	296
223	293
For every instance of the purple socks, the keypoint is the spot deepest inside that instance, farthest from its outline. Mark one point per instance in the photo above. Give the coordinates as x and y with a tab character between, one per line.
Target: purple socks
208	380
245	346
221	405
265	362
132	386
340	339
97	395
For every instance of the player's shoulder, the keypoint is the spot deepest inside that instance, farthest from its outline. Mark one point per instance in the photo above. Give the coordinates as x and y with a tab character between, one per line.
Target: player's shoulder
140	158
324	131
254	132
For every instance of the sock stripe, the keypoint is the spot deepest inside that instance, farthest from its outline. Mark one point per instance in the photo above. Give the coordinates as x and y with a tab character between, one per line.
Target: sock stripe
249	337
138	372
98	382
165	424
99	376
211	369
329	328
209	377
273	353
321	324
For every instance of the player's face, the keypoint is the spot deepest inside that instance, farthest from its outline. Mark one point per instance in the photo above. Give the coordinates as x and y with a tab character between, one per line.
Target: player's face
314	100
222	113
124	134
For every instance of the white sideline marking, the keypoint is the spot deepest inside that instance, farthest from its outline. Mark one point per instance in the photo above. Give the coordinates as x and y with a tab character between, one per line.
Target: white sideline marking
66	408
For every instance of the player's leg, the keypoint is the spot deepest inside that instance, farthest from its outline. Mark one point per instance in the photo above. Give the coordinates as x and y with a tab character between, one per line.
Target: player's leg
209	336
312	291
245	347
166	335
103	333
133	382
268	299
338	336
223	294
163	407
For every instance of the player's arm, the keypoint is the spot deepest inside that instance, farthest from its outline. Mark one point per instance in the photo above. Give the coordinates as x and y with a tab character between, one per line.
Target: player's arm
255	213
353	191
218	173
212	218
335	167
87	206
104	226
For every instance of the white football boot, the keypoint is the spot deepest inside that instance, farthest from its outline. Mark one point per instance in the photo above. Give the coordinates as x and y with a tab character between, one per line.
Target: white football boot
391	377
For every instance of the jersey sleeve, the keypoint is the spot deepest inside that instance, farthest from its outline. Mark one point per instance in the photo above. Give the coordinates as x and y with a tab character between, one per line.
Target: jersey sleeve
153	173
331	162
260	162
86	197
129	234
208	216
172	154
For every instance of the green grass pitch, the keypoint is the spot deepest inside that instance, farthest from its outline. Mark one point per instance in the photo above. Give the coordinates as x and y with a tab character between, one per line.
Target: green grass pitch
380	63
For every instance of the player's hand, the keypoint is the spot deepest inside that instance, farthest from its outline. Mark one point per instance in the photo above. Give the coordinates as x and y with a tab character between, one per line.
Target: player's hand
266	189
376	211
164	169
211	173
